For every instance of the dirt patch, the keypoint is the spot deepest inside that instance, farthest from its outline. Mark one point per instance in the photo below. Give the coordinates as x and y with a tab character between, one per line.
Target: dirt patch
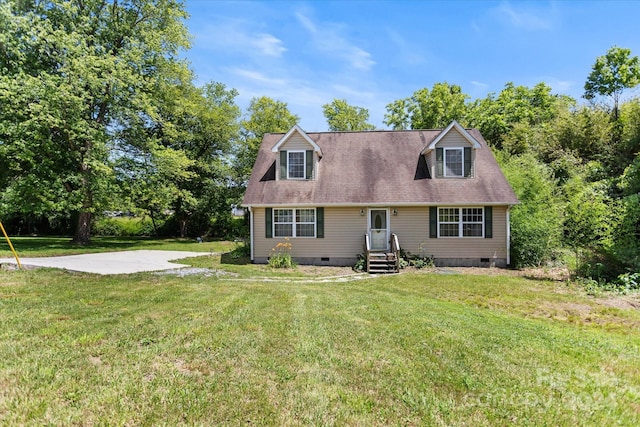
315	270
625	302
559	274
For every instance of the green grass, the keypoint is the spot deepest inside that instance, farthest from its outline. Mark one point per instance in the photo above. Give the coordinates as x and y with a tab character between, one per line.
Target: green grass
51	246
409	349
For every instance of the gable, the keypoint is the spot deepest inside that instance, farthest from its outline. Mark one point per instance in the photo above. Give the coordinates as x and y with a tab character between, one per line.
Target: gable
453	139
296	137
296	142
450	132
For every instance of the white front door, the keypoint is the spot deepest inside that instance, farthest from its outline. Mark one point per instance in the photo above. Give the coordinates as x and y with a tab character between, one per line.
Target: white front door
379	229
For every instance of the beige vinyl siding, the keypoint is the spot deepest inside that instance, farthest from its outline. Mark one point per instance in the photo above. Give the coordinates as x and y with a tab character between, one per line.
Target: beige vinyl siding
412	227
453	139
344	230
297	143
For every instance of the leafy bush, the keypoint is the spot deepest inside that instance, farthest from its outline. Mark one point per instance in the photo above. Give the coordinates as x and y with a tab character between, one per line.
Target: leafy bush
422	262
361	264
628	281
416	261
536	223
242	250
281	255
123	227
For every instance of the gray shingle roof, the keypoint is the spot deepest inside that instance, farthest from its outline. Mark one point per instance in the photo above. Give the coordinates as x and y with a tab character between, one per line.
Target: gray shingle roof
376	168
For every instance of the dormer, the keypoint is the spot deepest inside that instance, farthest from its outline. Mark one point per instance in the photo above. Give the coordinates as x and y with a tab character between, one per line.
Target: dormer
452	153
297	156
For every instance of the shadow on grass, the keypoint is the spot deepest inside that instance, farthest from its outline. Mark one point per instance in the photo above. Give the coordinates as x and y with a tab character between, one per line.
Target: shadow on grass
43	246
226	258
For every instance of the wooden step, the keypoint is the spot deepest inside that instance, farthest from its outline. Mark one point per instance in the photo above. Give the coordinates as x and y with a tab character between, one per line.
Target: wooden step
382	263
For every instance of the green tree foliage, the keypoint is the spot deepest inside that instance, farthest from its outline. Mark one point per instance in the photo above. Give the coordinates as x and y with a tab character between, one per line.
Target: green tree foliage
611	74
344	117
426	109
204	125
79	83
264	115
496	116
588	214
536	223
184	167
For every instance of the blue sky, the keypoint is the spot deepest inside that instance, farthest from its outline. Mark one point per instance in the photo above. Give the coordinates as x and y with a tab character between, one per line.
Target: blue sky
374	52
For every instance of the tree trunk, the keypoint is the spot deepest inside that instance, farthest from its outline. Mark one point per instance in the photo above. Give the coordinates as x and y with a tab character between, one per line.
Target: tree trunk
183	228
83	229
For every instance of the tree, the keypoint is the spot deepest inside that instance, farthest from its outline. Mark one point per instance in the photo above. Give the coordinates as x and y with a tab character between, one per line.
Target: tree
611	74
78	75
344	117
426	109
185	168
496	116
536	223
398	115
264	115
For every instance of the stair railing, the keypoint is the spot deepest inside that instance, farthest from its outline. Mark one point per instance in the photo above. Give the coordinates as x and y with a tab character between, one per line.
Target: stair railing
395	248
367	250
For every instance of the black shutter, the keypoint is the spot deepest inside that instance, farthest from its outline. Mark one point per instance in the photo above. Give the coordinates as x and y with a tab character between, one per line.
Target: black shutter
439	162
467	162
433	222
320	223
283	165
268	223
488	222
309	162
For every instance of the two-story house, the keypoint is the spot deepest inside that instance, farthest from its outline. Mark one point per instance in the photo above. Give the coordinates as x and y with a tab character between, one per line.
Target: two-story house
335	195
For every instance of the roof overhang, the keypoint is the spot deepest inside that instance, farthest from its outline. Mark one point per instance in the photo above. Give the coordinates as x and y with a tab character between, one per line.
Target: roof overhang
376	204
462	131
303	134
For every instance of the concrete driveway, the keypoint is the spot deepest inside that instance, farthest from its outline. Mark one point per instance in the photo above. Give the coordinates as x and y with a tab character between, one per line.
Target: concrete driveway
110	262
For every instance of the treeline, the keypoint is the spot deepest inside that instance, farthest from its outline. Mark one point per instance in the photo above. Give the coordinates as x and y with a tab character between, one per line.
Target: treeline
99	113
575	168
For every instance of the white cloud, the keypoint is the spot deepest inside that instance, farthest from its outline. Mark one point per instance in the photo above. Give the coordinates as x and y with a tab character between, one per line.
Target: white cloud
557	85
479	85
406	51
233	37
269	45
331	41
257	77
527	19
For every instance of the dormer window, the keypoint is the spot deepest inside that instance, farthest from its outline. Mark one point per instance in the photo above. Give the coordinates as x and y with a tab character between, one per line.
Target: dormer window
297	156
454	153
453	162
296	165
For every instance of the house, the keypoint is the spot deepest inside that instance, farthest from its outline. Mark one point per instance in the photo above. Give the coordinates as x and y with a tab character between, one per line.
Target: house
335	195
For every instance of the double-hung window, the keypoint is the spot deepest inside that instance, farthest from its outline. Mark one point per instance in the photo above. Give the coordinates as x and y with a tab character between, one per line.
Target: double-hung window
296	165
460	222
454	162
294	222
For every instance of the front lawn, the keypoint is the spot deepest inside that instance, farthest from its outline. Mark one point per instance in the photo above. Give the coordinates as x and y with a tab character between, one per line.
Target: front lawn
408	349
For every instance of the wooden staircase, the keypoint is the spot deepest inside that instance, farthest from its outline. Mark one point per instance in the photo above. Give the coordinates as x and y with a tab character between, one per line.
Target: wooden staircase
383	262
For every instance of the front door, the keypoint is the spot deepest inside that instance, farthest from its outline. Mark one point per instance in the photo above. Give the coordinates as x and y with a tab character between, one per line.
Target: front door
379	229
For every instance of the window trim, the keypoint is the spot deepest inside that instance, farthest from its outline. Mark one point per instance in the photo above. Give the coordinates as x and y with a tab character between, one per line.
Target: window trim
304	164
460	222
444	162
294	223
